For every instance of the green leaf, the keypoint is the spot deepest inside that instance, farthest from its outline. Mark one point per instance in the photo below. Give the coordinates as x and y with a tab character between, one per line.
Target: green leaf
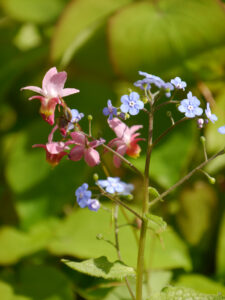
43	283
196	226
173	293
26	243
101	267
220	257
171	253
6	292
164	36
156	223
80	20
35	11
201	284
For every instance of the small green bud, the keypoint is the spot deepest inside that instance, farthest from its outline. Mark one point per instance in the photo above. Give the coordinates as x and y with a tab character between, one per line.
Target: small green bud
129	197
129	90
90	118
212	180
145	100
169	114
202	139
95	177
127	116
152	191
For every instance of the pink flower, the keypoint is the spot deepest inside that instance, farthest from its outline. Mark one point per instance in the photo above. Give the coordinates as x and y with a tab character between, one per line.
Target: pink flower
51	93
85	149
126	141
54	150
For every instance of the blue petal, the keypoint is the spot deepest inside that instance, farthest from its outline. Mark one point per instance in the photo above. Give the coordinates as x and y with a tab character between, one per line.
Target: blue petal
133	111
198	111
124	108
134	96
124	99
105	111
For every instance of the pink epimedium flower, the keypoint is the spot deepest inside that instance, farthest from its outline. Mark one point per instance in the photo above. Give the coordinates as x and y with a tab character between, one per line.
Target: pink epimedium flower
54	150
126	141
52	92
85	149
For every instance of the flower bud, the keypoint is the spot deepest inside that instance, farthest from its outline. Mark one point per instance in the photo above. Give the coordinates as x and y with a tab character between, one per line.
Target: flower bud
90	118
203	140
200	123
212	180
95	177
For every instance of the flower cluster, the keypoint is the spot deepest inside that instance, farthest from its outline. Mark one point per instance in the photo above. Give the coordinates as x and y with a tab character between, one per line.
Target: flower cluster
113	185
83	196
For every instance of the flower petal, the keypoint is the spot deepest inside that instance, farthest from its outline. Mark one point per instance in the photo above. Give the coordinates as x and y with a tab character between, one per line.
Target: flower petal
78	137
76	153
91	156
68	91
35	89
47	78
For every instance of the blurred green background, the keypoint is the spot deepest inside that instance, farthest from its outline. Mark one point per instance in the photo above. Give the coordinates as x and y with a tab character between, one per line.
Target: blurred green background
102	44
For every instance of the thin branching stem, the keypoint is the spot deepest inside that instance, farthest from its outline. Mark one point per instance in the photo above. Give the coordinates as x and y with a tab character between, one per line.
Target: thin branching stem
156	141
185	178
165	103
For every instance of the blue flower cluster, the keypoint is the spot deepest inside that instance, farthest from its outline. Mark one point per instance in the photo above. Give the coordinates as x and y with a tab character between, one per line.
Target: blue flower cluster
113	185
84	198
76	117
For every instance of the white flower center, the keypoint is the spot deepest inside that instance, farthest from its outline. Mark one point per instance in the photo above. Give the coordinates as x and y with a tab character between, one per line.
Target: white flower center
190	107
131	103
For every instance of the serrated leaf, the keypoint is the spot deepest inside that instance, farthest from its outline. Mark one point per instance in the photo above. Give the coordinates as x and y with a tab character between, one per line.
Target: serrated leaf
201	284
35	11
173	293
165	35
101	267
156	223
78	23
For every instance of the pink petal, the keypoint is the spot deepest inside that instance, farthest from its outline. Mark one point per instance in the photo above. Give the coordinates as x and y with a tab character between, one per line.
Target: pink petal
56	84
41	98
50	136
118	127
121	150
78	137
47	78
35	89
68	91
91	156
39	145
76	153
96	143
55	147
135	128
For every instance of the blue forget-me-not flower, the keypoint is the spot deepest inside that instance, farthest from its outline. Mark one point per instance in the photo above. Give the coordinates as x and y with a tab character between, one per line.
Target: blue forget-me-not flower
83	195
178	83
190	106
221	129
209	115
131	103
110	110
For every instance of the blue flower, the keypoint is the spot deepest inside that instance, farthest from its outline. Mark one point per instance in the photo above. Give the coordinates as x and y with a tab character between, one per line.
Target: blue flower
76	117
152	79
209	115
114	185
178	83
127	188
143	84
221	129
190	106
131	103
93	204
168	87
109	110
83	195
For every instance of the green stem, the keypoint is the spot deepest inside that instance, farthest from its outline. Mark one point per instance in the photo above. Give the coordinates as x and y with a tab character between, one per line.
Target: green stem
185	178
116	231
144	226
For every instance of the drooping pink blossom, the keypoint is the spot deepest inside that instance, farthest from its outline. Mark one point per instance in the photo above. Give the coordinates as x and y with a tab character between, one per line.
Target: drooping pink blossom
51	93
126	141
54	150
85	149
